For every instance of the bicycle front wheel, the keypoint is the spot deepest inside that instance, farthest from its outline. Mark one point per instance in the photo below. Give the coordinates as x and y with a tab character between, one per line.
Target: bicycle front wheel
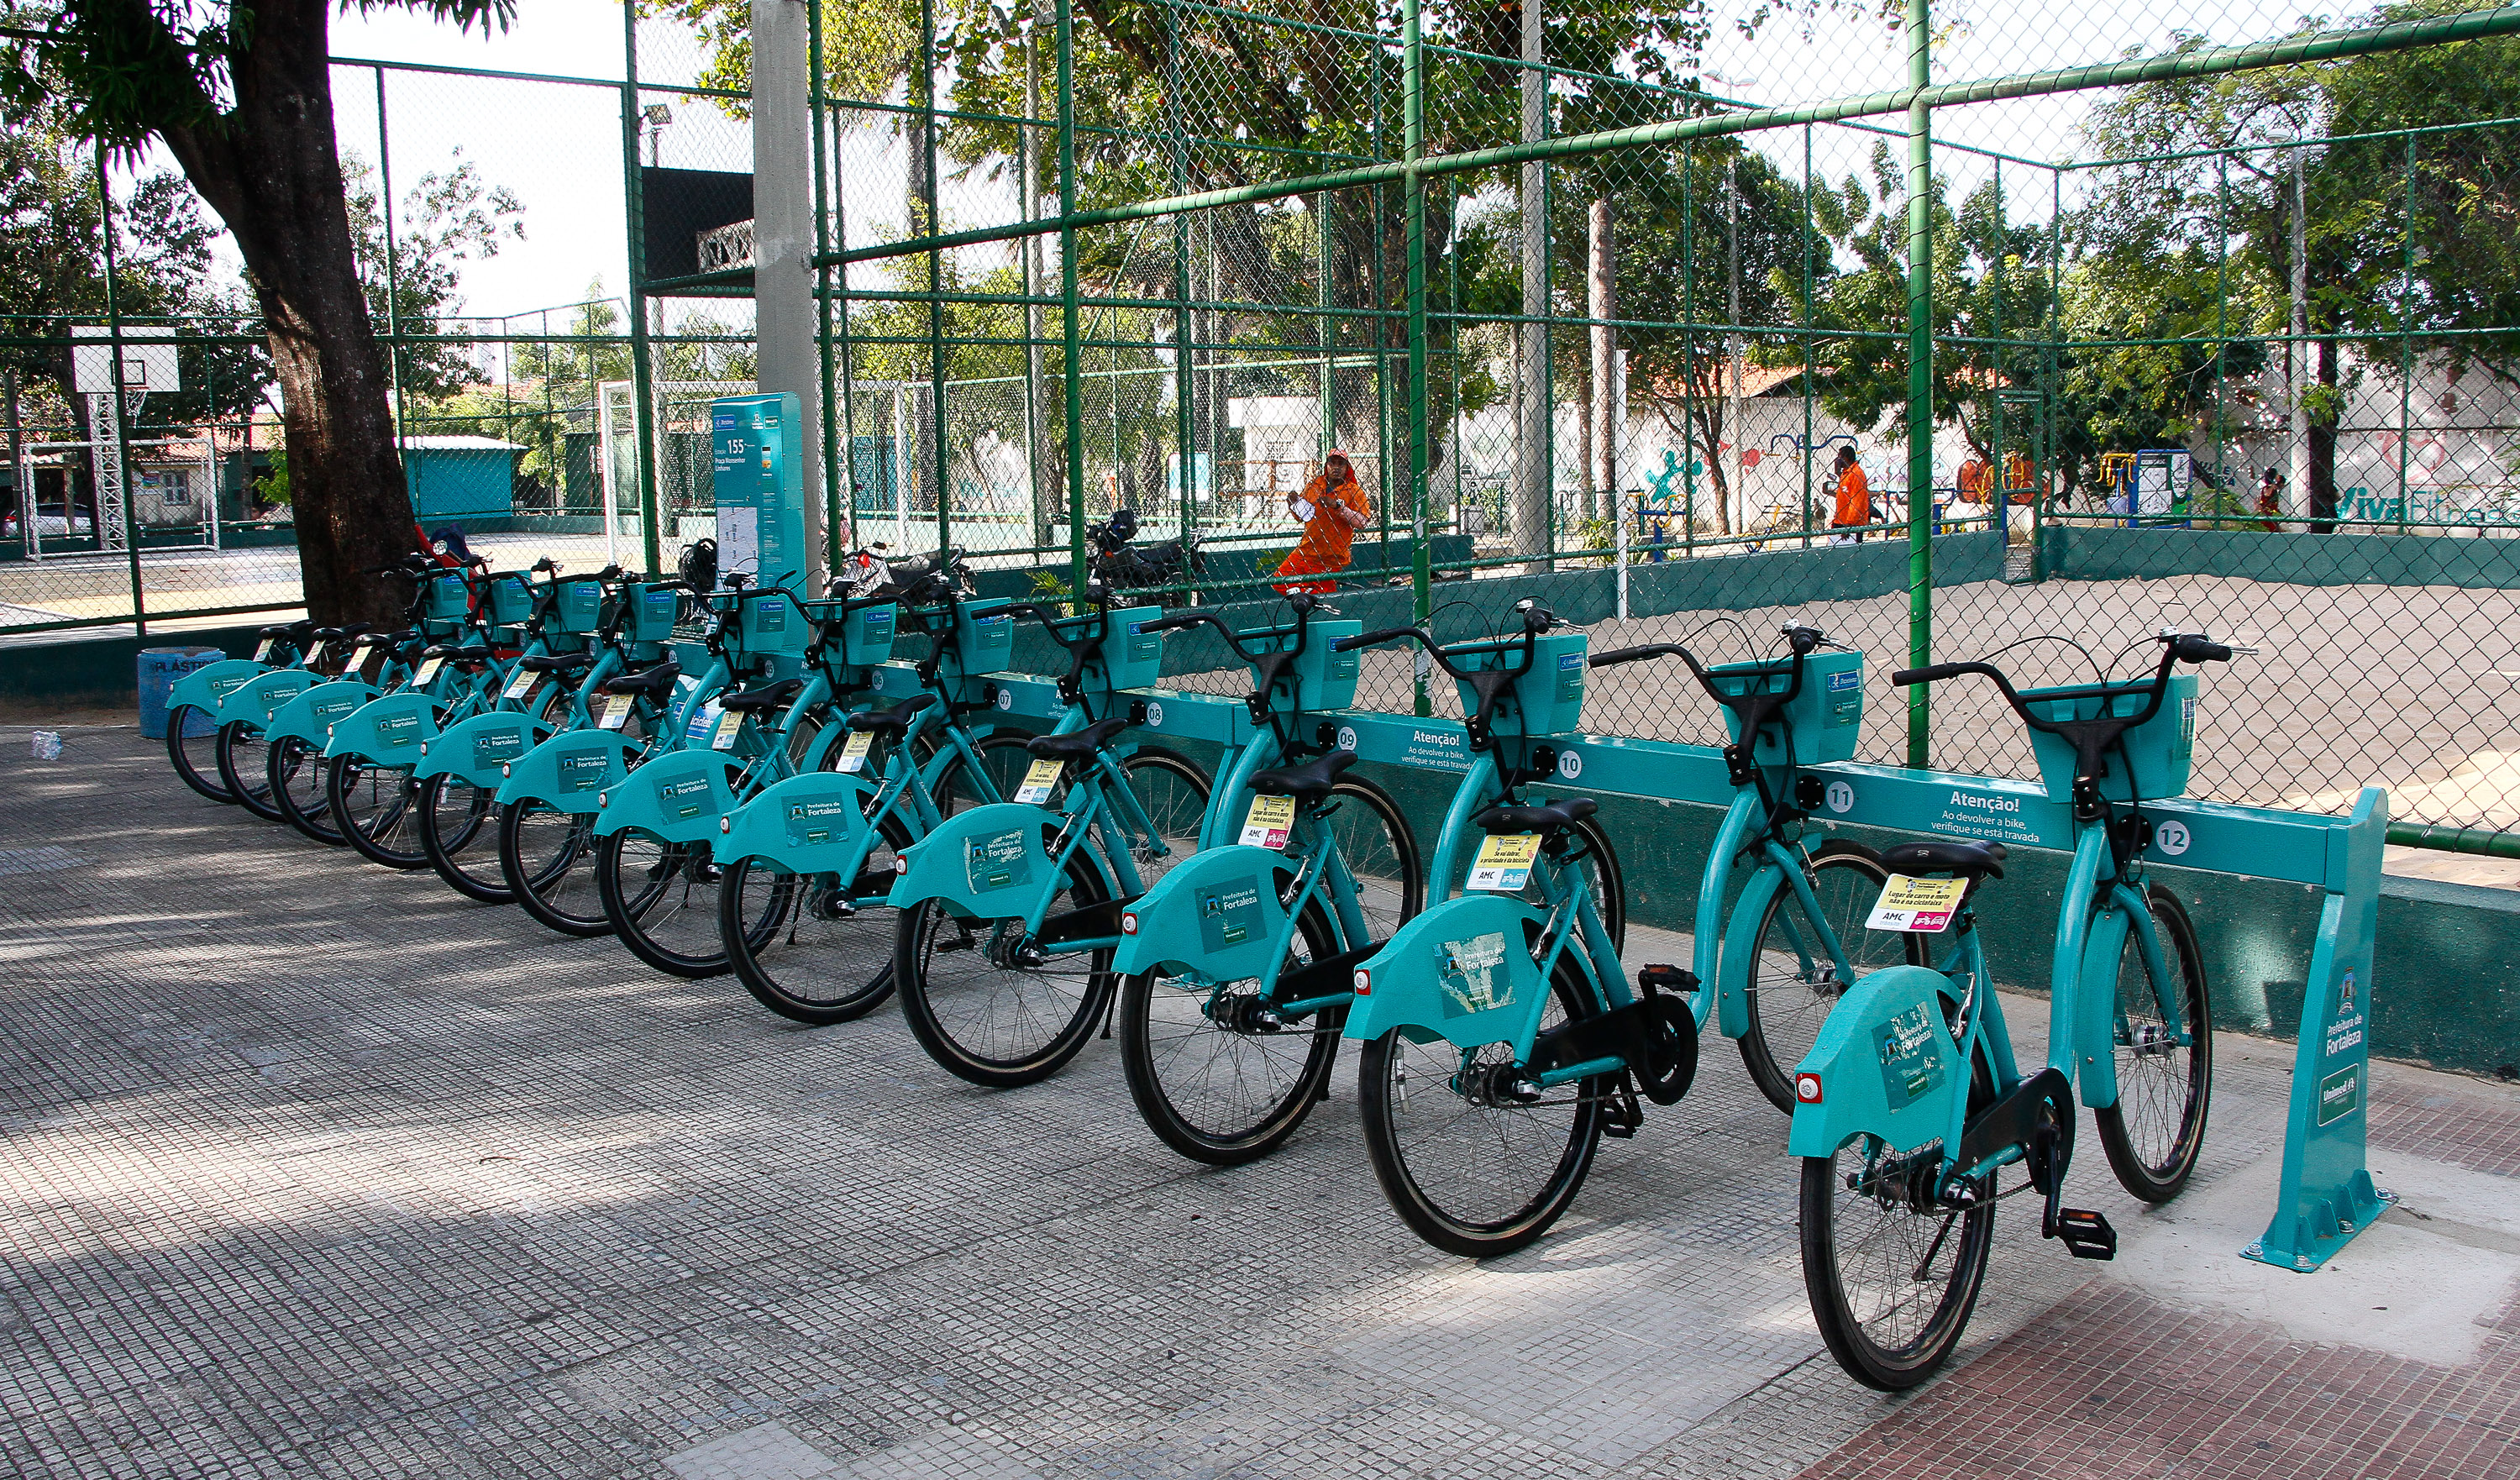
192	748
1469	1170
2156	1129
244	764
1215	1079
547	860
818	962
1381	853
378	810
662	898
986	1002
1173	790
295	776
1891	1284
1793	980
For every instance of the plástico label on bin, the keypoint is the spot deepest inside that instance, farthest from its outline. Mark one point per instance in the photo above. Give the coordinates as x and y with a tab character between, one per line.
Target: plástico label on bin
584	772
1229	913
679	800
998	861
396	731
822	822
1473	975
496	746
1910	1050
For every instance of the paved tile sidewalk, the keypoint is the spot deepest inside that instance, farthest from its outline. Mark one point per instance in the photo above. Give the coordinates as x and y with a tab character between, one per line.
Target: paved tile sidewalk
310	1168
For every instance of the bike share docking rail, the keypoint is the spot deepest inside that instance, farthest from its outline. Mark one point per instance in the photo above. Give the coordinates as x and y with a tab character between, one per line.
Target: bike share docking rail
2326	1194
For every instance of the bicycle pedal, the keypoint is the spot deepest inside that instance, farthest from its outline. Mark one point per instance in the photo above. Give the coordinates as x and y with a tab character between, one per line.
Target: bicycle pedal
1622	1117
1678	980
2086	1234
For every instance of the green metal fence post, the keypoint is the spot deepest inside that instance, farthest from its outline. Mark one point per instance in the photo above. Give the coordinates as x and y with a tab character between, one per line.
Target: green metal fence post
643	411
1413	115
836	549
1068	294
1920	380
28	516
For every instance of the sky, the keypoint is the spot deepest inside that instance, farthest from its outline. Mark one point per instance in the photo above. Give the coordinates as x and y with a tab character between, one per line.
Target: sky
557	147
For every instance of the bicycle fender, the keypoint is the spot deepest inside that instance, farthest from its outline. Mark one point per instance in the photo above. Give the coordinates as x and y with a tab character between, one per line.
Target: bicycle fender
983	864
1212	918
206	685
810	823
1732	969
2096	1005
388	730
260	697
1460	971
677	797
568	771
1884	1065
315	711
478	747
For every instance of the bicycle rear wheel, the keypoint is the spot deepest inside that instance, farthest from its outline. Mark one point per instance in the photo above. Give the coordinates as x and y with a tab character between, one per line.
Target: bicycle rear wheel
2156	1129
296	781
377	808
459	830
192	748
1213	1079
547	860
817	963
1890	1286
986	1004
662	898
1794	981
243	763
1471	1173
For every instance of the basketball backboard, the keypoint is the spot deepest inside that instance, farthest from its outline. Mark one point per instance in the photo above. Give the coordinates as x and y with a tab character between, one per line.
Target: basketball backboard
147	358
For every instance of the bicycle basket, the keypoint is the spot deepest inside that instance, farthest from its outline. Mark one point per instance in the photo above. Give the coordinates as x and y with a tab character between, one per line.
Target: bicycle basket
1825	719
448	599
985	635
654	609
769	622
1547	700
1127	659
2160	748
1325	678
867	635
578	605
512	601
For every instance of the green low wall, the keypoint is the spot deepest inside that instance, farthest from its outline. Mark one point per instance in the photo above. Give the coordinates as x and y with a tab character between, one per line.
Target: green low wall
88	671
2076	553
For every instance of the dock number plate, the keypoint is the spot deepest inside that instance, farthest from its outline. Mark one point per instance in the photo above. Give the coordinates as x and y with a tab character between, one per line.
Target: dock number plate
1922	906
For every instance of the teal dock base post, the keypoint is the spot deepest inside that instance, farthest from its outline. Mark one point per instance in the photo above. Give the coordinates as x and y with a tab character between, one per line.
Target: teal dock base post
2326	1195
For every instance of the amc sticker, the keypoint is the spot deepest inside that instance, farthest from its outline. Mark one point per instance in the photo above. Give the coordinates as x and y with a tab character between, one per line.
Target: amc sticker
1270	823
1039	778
853	755
1505	862
1921	906
730	724
613	710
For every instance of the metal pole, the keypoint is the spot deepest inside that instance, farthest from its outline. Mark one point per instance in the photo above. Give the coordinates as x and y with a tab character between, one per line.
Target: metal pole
835	521
1068	294
1920	382
938	457
2406	342
643	411
26	517
2297	347
1531	500
1185	320
1810	370
1412	125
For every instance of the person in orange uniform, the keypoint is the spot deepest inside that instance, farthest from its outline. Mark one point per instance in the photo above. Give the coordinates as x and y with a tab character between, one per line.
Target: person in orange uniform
1853	499
1332	507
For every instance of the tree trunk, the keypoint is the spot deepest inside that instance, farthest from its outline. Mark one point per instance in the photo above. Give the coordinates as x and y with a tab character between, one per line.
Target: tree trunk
271	170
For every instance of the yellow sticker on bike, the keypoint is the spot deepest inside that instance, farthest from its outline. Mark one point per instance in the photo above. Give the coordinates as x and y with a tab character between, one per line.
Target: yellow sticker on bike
853	755
729	723
1270	823
427	671
1505	862
1038	781
522	685
611	710
1919	906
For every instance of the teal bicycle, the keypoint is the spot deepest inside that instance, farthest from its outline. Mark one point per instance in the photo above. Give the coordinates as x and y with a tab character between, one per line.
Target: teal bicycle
244	710
1910	1103
192	703
1234	964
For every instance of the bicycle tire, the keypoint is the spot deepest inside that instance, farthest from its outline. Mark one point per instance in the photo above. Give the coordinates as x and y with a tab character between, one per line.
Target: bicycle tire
2171	1102
1380	851
546	859
786	978
196	771
296	774
243	758
378	810
939	1009
1262	1084
459	831
1783	1022
1852	1339
1173	791
1461	1221
683	939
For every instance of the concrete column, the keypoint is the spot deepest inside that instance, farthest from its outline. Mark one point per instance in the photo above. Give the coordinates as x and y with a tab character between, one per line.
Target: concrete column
1532	474
787	356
